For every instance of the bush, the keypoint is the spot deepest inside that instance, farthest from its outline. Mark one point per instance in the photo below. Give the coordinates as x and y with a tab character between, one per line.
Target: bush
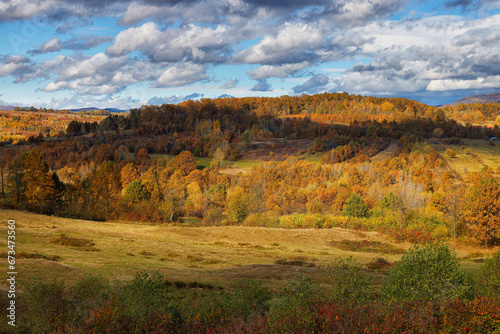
144	296
429	273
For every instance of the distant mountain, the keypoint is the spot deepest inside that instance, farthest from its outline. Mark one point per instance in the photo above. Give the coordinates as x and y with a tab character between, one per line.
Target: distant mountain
2	107
98	109
481	98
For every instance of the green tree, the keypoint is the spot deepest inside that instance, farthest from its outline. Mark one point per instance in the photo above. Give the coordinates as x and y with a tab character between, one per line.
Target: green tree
355	206
489	278
237	204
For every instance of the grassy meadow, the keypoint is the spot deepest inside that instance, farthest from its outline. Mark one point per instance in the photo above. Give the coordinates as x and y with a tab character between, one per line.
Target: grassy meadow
221	256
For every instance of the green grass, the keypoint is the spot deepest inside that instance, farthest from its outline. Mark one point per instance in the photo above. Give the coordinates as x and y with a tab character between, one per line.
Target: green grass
315	157
485	155
221	256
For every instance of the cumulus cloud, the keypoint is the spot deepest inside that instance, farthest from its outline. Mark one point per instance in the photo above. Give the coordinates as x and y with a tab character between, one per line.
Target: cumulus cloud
181	75
15	65
316	84
191	43
262	86
455	84
294	43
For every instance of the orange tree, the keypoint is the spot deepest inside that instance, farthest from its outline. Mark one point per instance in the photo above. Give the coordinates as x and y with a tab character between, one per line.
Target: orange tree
482	210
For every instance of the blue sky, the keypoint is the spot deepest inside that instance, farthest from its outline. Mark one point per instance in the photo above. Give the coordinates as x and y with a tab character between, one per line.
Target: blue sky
123	54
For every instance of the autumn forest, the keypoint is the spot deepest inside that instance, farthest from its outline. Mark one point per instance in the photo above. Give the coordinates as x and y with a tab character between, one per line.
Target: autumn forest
414	173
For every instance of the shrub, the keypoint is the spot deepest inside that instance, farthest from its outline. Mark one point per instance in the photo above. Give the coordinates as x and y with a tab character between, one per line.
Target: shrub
143	296
294	311
429	273
490	276
347	283
48	306
451	153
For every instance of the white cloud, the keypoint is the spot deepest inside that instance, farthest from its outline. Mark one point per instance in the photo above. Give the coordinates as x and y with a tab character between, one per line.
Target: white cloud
51	45
181	75
294	43
172	45
451	84
278	71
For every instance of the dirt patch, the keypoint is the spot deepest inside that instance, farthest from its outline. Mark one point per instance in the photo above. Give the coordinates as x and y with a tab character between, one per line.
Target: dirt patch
386	154
276	149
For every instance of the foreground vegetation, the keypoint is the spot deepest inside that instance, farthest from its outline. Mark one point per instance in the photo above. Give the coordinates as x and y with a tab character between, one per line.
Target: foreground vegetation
81	276
426	292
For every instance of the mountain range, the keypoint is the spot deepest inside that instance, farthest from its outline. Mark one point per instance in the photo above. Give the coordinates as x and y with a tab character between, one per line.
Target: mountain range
481	98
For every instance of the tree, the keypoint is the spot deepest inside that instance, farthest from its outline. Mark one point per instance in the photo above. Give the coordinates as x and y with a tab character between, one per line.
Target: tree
185	161
40	187
129	173
16	173
237	204
142	156
453	205
482	210
355	206
105	189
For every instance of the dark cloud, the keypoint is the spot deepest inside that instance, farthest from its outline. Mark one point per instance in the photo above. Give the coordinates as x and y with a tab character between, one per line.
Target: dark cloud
86	42
464	4
262	86
316	84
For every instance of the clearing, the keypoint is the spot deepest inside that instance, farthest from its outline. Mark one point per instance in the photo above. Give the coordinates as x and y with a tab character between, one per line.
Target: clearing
472	154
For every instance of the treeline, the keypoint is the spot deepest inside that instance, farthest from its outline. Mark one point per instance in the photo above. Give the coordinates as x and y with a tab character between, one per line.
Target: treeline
425	293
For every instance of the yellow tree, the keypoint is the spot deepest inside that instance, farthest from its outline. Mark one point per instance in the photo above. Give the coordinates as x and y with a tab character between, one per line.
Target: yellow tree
129	173
106	188
482	209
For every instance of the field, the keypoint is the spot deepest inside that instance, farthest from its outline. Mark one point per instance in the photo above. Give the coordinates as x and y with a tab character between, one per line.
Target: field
221	256
471	156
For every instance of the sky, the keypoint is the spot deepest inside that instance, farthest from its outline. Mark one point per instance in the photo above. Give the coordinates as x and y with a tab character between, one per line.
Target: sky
123	54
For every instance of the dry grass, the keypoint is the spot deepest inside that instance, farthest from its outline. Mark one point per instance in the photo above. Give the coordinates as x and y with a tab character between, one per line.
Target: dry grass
221	256
386	154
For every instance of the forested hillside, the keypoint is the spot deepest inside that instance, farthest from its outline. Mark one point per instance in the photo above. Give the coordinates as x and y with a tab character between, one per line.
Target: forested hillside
170	164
